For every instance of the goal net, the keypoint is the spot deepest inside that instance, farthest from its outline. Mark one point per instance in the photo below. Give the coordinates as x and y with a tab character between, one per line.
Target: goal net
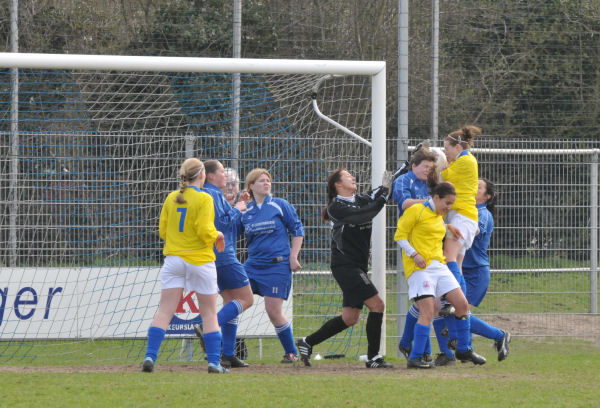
95	146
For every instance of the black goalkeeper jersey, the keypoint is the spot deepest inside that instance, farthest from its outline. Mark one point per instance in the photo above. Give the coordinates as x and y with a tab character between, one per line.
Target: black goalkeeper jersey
352	224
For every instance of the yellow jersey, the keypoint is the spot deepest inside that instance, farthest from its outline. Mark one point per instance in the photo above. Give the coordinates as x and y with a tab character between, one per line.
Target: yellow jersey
189	229
463	173
424	229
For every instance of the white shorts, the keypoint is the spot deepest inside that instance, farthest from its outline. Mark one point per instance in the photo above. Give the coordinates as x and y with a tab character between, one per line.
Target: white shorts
466	226
177	273
436	280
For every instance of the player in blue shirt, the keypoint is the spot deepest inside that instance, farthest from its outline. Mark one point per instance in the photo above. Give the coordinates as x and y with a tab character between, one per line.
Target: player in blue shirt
476	267
234	286
411	187
268	224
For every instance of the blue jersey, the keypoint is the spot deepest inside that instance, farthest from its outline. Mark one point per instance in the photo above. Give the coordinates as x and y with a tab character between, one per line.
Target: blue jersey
409	186
268	230
226	219
477	255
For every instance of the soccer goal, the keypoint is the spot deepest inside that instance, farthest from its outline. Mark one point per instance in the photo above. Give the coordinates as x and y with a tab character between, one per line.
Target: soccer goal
92	144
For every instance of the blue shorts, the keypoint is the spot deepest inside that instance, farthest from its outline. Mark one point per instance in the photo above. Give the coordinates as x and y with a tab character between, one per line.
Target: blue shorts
478	281
272	280
232	276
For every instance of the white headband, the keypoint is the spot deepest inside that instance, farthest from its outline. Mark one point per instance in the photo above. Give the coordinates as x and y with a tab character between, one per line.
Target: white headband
457	141
197	174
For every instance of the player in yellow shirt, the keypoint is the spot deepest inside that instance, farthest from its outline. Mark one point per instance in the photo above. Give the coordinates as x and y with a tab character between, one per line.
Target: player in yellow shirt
462	172
187	227
420	232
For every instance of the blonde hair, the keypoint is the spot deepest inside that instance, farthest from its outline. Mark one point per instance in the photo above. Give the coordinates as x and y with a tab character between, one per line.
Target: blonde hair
253	176
189	170
464	136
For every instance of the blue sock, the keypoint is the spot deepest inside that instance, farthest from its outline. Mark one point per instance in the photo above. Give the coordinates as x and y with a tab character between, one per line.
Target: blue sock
229	333
450	322
463	329
484	329
438	326
155	338
229	311
212	341
420	342
455	269
428	345
463	284
286	338
409	327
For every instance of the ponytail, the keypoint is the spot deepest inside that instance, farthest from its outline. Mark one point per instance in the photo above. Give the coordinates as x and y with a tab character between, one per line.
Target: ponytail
331	190
490	189
433	178
464	136
190	169
179	199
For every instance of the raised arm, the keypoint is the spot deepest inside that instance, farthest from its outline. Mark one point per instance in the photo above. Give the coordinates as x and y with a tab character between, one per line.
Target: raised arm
225	214
372	202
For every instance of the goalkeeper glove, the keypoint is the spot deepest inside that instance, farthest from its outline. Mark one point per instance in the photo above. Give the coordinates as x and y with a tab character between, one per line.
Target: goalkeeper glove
387	179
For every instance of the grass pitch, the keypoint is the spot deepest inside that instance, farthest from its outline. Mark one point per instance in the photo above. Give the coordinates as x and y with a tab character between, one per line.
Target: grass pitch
553	375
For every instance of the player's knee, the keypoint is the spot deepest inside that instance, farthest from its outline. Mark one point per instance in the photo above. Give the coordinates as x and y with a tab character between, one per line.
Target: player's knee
376	304
247	301
275	316
380	307
350	316
350	320
462	307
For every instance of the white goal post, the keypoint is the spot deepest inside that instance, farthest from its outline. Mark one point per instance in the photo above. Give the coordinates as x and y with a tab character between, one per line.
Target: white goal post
376	70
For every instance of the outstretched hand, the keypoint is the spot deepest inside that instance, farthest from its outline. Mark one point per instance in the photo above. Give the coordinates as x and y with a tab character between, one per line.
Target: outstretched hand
387	179
243	199
245	196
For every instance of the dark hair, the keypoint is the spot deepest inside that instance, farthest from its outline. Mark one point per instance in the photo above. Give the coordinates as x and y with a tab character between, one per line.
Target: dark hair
211	166
443	189
463	136
331	190
423	154
490	189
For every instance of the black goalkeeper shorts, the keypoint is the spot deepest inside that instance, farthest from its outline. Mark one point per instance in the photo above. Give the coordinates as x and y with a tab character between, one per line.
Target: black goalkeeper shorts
355	284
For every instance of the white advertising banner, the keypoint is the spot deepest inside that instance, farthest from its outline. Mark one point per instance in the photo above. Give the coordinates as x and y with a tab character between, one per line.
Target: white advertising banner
95	302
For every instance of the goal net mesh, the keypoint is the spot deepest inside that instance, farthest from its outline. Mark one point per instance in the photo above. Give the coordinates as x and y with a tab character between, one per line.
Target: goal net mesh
97	154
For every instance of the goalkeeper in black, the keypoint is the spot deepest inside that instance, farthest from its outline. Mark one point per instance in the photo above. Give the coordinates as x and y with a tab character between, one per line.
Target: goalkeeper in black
351	216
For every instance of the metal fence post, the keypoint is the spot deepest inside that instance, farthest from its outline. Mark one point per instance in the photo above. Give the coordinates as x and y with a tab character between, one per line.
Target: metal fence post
402	152
594	234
